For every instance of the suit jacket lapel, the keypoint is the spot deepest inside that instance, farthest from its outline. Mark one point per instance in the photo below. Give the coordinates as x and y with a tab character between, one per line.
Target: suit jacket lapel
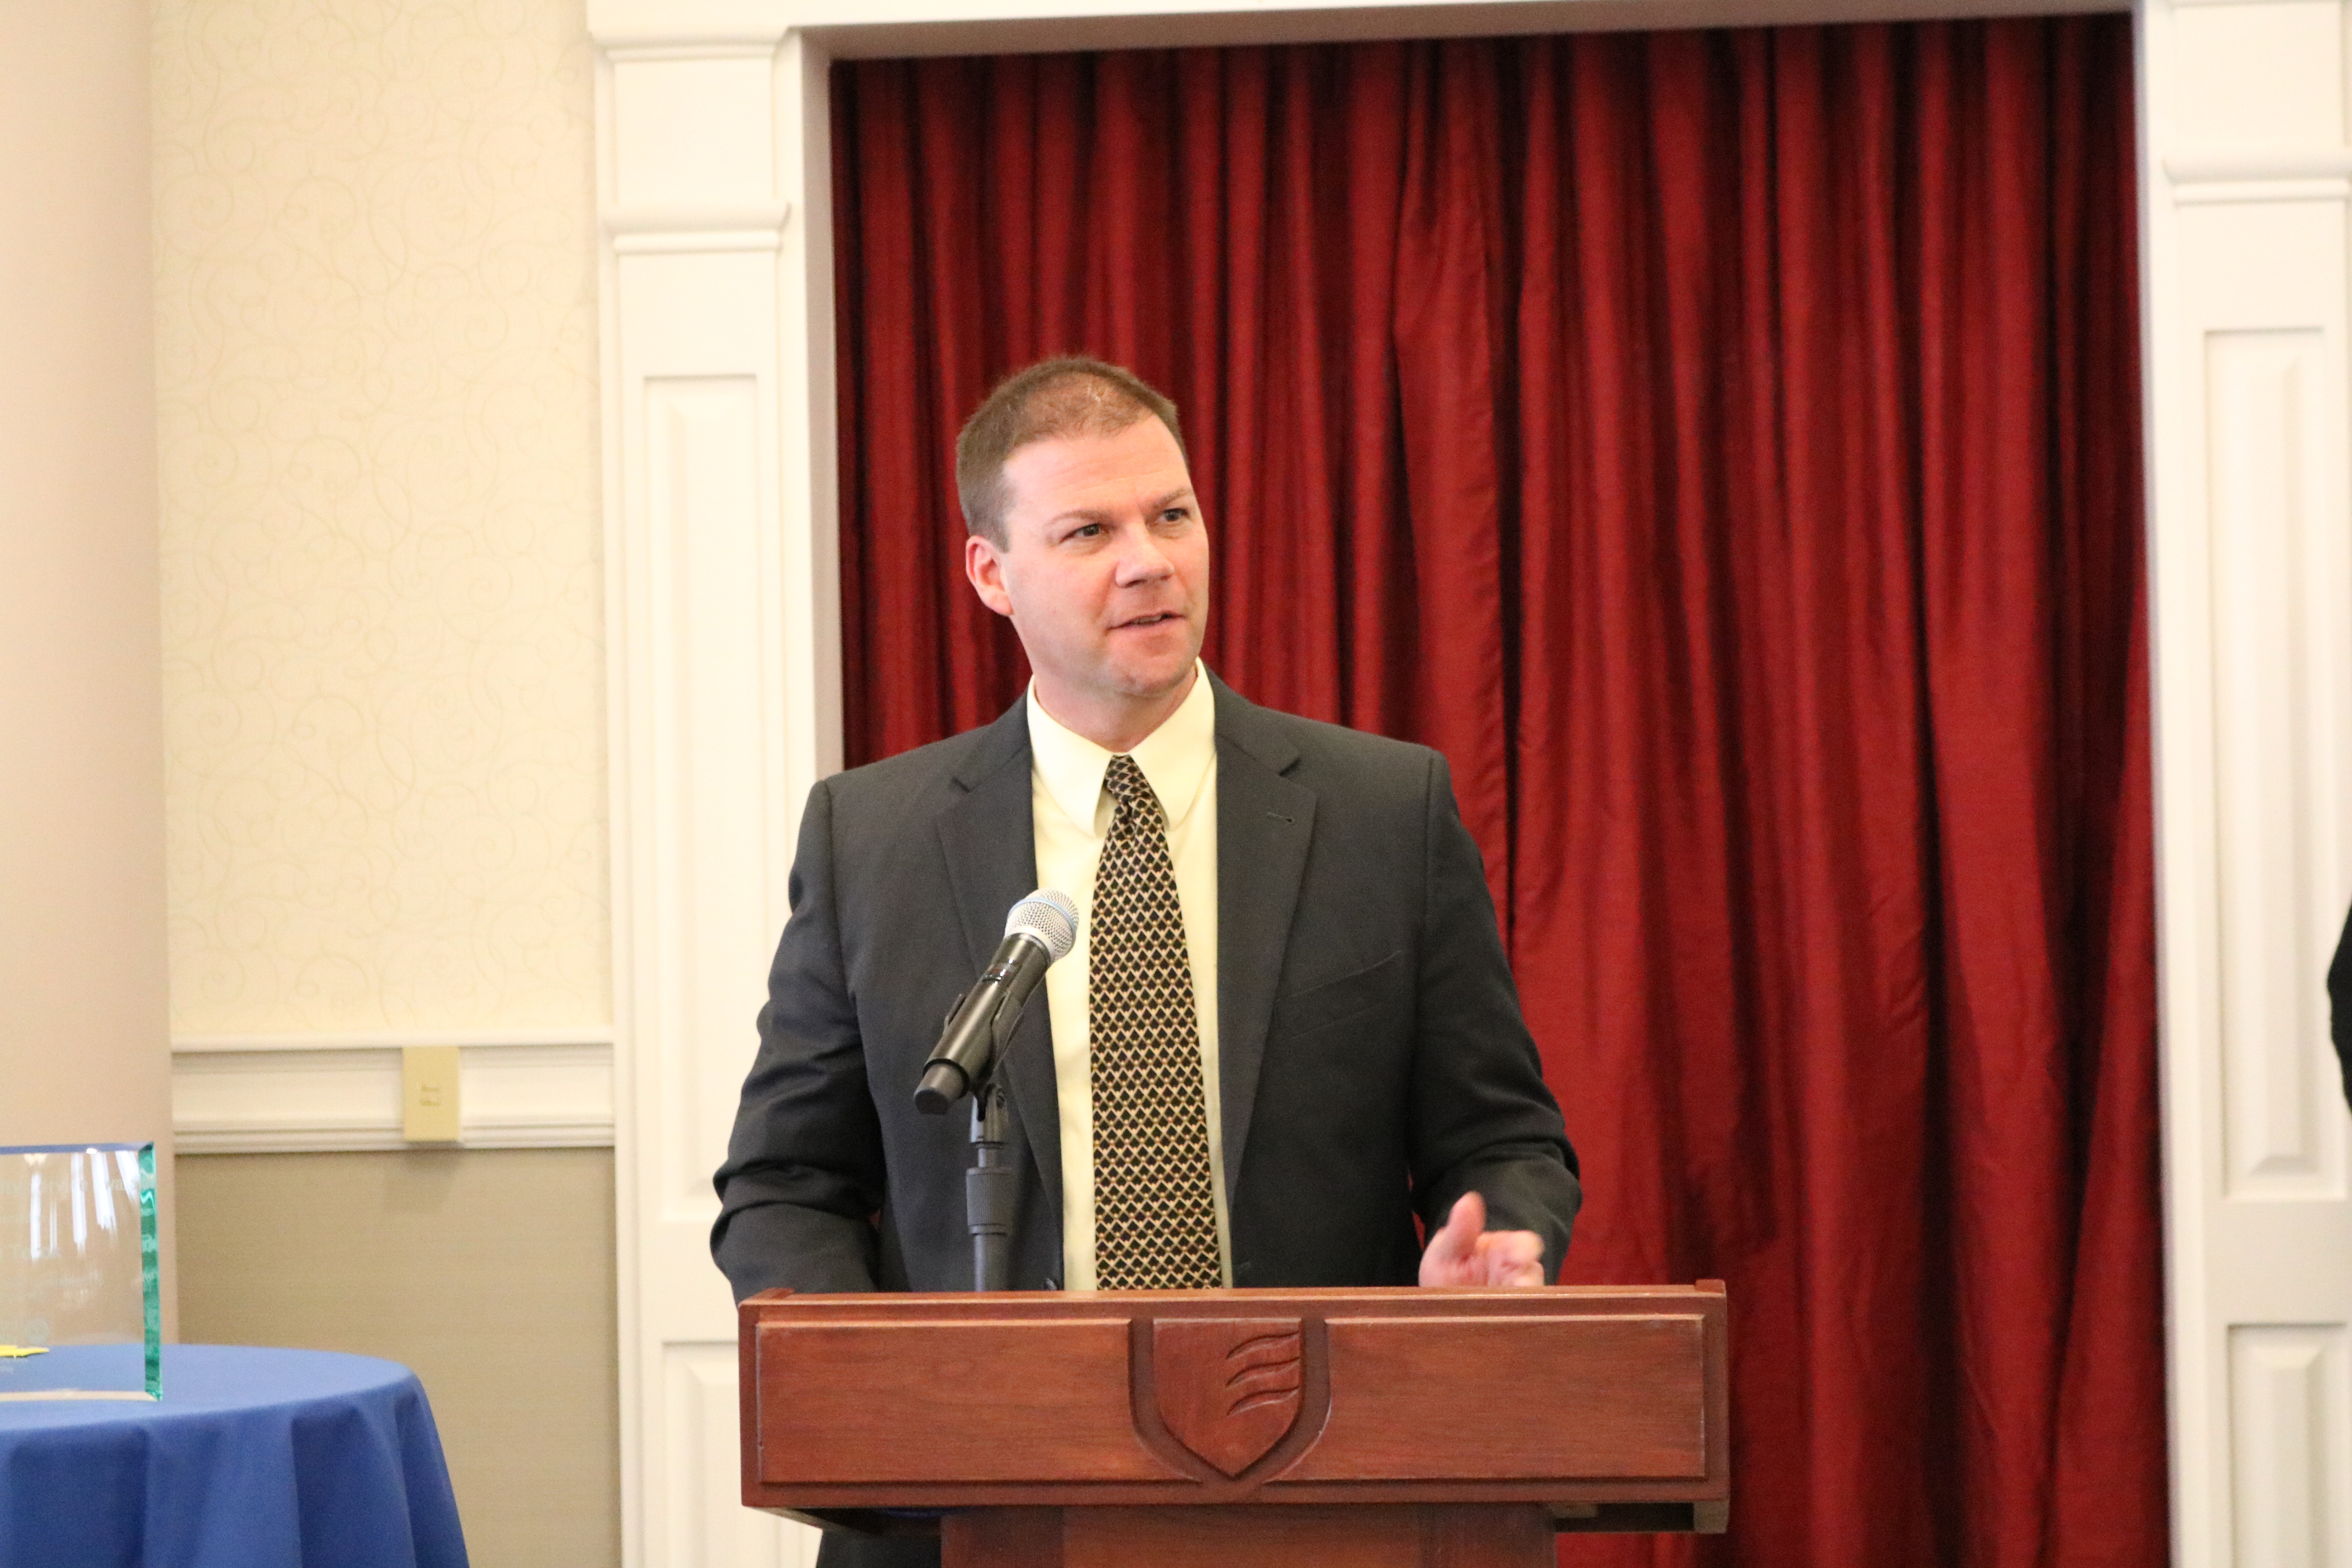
990	846
1264	823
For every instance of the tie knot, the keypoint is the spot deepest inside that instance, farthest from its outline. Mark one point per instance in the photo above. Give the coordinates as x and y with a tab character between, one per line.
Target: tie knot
1138	807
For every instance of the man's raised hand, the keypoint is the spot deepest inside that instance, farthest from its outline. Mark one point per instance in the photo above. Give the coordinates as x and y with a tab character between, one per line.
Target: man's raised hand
1466	1253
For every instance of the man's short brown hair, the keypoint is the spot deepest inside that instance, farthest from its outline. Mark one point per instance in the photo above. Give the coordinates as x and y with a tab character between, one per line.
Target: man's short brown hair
1051	400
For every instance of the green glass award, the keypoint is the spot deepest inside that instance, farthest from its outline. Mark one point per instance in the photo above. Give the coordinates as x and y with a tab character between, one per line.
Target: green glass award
81	1313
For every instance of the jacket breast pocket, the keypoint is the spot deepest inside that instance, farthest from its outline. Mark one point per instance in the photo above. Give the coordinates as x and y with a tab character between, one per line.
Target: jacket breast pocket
1348	998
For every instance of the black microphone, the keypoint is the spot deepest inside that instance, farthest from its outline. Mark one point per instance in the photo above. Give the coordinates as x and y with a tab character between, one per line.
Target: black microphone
1041	929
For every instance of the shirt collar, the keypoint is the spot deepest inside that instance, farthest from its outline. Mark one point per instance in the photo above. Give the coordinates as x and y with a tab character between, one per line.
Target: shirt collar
1175	758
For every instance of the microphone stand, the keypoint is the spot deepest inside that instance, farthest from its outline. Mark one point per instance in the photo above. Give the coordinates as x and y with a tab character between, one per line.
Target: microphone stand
992	1188
990	1192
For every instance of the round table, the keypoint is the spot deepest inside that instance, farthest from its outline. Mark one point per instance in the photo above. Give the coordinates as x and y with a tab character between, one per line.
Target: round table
253	1459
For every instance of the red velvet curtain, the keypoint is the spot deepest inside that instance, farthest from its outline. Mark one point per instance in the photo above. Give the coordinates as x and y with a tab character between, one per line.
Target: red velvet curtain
1725	447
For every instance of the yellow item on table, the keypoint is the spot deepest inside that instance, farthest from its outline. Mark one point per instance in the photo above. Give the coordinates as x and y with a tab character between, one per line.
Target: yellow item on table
9	1353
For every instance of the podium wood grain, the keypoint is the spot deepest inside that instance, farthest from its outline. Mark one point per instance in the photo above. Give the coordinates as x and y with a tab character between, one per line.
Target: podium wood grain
1231	1427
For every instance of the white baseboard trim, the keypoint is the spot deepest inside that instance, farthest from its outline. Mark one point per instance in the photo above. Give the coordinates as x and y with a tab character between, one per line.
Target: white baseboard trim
279	1094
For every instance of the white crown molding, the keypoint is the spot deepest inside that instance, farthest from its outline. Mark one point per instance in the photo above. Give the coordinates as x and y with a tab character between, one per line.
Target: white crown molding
246	1094
2204	177
674	226
2220	191
2210	165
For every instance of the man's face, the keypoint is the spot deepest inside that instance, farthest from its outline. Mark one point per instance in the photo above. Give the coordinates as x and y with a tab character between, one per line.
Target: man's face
1104	573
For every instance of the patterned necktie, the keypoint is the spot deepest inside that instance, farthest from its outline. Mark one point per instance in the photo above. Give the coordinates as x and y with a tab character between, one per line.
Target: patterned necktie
1155	1217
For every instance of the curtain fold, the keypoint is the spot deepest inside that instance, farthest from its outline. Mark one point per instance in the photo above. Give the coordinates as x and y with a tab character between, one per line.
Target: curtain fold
1725	447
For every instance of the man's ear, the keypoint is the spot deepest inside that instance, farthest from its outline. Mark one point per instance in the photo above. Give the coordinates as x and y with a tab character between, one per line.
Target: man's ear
984	570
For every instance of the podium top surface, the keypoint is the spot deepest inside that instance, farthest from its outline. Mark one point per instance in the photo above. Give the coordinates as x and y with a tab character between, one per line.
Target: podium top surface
1409	1299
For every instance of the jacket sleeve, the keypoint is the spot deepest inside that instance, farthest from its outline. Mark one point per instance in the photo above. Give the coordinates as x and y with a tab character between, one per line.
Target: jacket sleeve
1484	1119
803	1182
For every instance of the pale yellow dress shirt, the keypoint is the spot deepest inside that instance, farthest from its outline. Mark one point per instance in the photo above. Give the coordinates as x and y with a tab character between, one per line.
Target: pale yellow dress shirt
1072	815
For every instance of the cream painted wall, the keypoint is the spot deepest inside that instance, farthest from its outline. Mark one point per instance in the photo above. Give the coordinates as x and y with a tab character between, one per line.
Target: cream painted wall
383	683
382	657
83	1046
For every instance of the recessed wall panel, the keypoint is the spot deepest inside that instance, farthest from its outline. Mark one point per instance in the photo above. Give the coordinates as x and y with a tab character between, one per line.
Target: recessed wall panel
702	460
2291	1448
2271	402
709	1526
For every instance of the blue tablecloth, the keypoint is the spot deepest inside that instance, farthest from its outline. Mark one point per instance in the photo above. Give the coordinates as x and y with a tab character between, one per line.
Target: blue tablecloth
253	1459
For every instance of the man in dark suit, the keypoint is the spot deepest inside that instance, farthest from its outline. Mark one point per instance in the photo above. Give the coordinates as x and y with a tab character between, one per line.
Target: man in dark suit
1347	1028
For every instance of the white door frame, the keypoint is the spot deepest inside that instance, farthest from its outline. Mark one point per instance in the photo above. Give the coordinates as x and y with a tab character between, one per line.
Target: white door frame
723	629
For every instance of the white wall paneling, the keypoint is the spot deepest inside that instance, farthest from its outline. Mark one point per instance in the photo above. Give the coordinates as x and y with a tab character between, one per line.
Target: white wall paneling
712	473
2271	407
707	1522
718	362
2291	1418
274	1094
2245	164
702	456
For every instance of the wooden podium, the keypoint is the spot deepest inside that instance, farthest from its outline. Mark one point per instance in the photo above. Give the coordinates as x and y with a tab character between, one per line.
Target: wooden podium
1234	1428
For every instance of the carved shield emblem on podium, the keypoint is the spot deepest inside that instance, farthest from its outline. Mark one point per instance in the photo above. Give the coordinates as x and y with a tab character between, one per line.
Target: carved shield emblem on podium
1228	1388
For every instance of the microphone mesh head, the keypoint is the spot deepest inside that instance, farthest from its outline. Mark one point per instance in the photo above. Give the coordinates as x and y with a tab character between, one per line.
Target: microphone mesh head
1048	916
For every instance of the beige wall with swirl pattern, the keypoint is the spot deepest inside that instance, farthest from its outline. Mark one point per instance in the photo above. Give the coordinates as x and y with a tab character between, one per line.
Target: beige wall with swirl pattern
383	665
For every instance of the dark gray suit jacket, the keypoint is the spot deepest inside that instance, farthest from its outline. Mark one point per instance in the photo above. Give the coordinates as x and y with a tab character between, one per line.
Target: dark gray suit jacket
1372	1057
